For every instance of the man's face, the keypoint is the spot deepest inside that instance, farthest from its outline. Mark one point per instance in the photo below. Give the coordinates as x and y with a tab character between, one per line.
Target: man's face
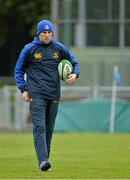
45	36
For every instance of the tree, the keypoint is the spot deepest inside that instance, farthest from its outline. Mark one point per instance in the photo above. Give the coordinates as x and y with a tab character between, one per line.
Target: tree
18	19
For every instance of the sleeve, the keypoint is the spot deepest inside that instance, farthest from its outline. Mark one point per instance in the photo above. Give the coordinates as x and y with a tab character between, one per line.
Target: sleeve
66	54
19	70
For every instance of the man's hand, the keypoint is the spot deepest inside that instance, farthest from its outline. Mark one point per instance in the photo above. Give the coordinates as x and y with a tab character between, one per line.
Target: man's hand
25	96
71	78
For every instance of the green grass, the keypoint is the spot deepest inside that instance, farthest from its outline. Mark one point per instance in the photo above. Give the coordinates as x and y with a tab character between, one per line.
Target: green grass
73	156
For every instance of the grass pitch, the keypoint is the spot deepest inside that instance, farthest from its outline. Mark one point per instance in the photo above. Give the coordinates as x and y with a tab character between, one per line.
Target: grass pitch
73	156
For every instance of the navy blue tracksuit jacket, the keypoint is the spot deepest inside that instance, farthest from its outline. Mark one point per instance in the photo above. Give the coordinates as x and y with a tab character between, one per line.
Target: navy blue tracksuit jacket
40	63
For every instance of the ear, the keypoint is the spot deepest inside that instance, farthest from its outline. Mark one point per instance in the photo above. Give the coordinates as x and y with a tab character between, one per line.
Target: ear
39	37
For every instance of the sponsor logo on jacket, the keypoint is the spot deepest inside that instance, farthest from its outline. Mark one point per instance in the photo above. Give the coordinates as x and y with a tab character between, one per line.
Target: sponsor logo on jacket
37	55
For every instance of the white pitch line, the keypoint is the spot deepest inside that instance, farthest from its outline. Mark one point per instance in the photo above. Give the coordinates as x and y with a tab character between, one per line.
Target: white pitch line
64	152
16	155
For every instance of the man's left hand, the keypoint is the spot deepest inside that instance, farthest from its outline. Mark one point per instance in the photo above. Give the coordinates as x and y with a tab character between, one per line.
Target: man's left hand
71	78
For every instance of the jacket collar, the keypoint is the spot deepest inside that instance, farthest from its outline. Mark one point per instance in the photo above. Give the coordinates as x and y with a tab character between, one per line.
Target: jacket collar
37	41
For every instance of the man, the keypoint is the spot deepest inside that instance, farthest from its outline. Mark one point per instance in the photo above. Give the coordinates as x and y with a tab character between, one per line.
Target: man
39	60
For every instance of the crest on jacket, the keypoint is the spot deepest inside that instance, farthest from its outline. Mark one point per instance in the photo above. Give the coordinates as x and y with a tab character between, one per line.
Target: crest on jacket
55	55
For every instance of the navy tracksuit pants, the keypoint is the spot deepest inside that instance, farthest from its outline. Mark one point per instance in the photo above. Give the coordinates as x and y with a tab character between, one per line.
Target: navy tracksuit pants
43	114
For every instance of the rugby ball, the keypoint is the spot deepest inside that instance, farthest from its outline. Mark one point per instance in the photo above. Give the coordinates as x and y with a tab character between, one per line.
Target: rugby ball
65	69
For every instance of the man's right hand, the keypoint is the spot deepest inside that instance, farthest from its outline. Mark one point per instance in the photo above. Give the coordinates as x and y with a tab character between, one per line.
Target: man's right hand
25	96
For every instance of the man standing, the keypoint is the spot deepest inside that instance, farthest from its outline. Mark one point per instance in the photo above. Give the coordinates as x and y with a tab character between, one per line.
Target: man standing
39	60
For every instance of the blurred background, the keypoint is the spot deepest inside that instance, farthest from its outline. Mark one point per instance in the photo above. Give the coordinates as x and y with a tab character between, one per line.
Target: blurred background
98	35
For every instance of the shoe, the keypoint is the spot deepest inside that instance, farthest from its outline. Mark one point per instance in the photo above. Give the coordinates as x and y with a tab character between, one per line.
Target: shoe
45	166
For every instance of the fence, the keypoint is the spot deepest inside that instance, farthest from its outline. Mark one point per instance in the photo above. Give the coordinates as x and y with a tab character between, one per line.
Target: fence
96	66
15	113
